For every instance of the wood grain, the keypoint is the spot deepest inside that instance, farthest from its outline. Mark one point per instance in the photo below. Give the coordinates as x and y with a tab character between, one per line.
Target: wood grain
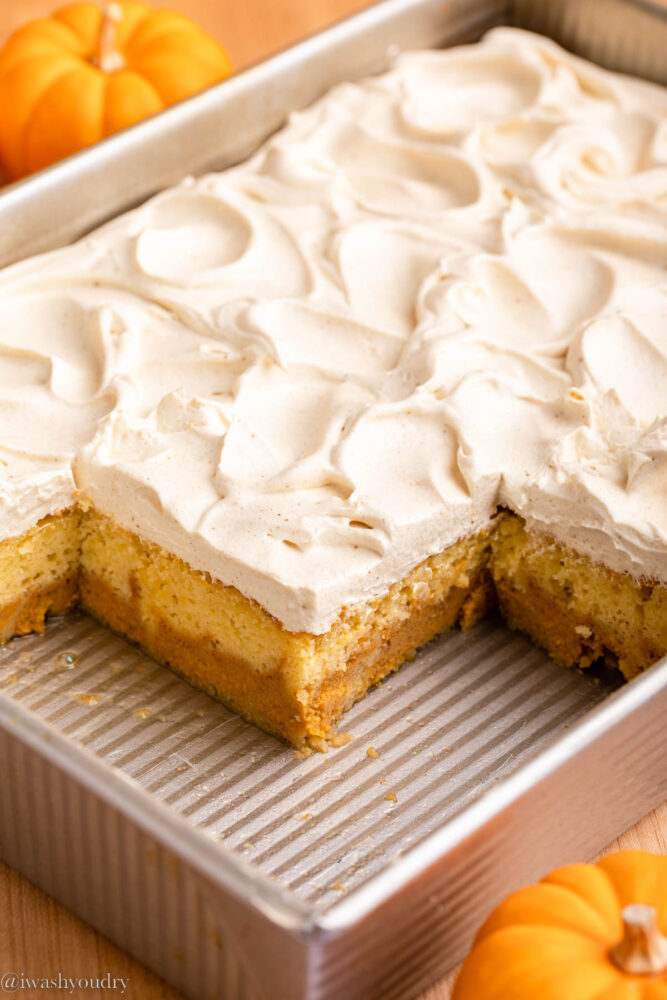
37	935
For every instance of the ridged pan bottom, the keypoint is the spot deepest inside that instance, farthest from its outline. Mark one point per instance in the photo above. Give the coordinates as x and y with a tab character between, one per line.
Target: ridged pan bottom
427	742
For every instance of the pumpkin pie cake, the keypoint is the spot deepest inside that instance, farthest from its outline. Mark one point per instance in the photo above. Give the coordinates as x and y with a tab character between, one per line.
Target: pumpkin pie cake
284	424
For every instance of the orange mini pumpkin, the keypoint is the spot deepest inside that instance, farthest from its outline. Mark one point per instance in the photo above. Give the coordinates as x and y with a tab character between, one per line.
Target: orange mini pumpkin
585	932
76	77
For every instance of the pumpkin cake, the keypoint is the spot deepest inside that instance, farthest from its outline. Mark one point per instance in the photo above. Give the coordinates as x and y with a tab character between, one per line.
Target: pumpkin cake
283	424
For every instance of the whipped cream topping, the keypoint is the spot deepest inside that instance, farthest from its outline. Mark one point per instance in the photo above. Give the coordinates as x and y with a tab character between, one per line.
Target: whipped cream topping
436	291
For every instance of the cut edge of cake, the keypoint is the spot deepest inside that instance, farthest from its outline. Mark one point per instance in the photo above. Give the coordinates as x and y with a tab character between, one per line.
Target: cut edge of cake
578	610
39	573
298	685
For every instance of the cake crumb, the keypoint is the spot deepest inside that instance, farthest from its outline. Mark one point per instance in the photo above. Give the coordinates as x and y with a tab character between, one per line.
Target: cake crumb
372	752
142	713
340	739
339	887
302	754
87	699
583	630
390	797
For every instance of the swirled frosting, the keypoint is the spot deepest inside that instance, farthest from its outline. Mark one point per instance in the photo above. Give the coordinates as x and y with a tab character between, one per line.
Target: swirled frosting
435	291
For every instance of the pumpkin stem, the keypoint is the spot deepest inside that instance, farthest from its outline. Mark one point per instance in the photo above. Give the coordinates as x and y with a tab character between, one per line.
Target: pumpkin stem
107	59
643	949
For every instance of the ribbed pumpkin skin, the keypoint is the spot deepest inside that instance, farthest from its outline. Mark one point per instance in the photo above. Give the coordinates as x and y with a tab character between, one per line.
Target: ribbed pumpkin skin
55	101
551	941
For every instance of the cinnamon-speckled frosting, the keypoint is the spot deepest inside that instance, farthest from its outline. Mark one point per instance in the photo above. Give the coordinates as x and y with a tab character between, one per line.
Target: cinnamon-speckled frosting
436	291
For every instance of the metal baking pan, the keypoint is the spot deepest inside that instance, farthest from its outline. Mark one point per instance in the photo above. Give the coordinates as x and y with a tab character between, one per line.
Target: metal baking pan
200	844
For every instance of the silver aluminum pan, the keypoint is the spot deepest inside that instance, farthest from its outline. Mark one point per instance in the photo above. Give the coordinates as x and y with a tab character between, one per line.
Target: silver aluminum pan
200	844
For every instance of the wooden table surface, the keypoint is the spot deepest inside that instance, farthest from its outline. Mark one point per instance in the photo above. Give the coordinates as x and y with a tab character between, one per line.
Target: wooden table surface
37	935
